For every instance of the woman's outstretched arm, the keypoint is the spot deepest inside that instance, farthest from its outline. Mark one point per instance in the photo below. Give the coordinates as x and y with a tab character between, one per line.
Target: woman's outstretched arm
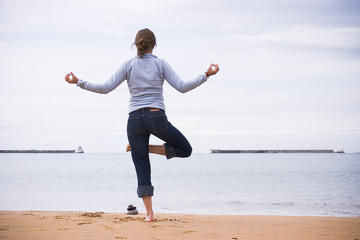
114	81
176	82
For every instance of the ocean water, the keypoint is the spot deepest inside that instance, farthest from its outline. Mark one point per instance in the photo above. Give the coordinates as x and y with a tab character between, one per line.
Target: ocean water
241	184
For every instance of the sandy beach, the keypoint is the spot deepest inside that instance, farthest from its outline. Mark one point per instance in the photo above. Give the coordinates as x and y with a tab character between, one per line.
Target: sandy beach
97	225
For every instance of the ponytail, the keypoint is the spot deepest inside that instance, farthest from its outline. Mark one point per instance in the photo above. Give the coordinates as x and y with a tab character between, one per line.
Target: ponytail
145	41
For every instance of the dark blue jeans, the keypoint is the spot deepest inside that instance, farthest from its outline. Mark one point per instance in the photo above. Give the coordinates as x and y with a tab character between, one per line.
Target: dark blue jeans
141	124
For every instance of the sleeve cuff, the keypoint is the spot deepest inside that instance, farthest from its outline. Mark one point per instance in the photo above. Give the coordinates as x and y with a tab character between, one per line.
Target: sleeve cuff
79	83
206	76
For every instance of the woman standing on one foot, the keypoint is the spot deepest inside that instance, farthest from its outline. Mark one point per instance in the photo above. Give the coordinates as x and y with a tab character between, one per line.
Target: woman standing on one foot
145	75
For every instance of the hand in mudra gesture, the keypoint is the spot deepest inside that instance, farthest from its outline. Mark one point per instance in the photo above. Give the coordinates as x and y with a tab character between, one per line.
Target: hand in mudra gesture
71	78
212	70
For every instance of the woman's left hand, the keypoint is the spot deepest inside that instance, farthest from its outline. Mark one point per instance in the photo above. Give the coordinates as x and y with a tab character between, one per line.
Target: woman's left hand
71	78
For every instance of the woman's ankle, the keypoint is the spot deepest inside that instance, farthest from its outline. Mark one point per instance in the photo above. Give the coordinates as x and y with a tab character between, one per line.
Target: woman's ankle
157	149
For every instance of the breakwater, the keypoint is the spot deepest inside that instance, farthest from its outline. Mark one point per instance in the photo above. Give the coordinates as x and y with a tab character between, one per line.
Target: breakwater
79	150
37	151
278	151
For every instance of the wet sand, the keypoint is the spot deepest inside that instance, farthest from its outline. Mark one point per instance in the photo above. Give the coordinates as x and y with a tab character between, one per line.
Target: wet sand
85	225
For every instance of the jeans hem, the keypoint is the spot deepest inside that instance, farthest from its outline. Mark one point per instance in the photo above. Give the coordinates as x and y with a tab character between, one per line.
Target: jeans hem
170	151
145	190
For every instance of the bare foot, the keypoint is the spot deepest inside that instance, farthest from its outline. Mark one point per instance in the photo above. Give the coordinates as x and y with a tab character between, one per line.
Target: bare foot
150	216
149	219
128	148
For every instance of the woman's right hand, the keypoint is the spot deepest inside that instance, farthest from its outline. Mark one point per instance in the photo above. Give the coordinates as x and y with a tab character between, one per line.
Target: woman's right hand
71	78
212	70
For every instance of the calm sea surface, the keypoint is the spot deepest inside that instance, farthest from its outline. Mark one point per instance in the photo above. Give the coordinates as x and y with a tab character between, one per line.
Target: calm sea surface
242	184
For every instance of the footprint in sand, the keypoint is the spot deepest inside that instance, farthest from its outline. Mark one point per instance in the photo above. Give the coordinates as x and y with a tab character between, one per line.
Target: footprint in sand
28	214
82	223
92	215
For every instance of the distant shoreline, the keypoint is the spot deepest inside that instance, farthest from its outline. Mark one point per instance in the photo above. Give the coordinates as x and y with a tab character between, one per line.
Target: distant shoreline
278	151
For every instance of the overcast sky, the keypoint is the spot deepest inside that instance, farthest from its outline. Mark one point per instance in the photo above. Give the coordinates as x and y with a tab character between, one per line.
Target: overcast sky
289	78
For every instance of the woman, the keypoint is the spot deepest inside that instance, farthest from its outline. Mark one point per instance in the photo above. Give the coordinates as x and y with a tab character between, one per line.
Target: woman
145	75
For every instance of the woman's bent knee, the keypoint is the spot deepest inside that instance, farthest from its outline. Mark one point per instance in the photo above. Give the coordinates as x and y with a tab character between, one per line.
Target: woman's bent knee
188	151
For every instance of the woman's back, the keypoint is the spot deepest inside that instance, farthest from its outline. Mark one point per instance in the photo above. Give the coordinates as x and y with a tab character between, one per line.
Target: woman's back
145	78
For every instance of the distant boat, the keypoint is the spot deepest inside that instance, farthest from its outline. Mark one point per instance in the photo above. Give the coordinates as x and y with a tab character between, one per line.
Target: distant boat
277	151
79	150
